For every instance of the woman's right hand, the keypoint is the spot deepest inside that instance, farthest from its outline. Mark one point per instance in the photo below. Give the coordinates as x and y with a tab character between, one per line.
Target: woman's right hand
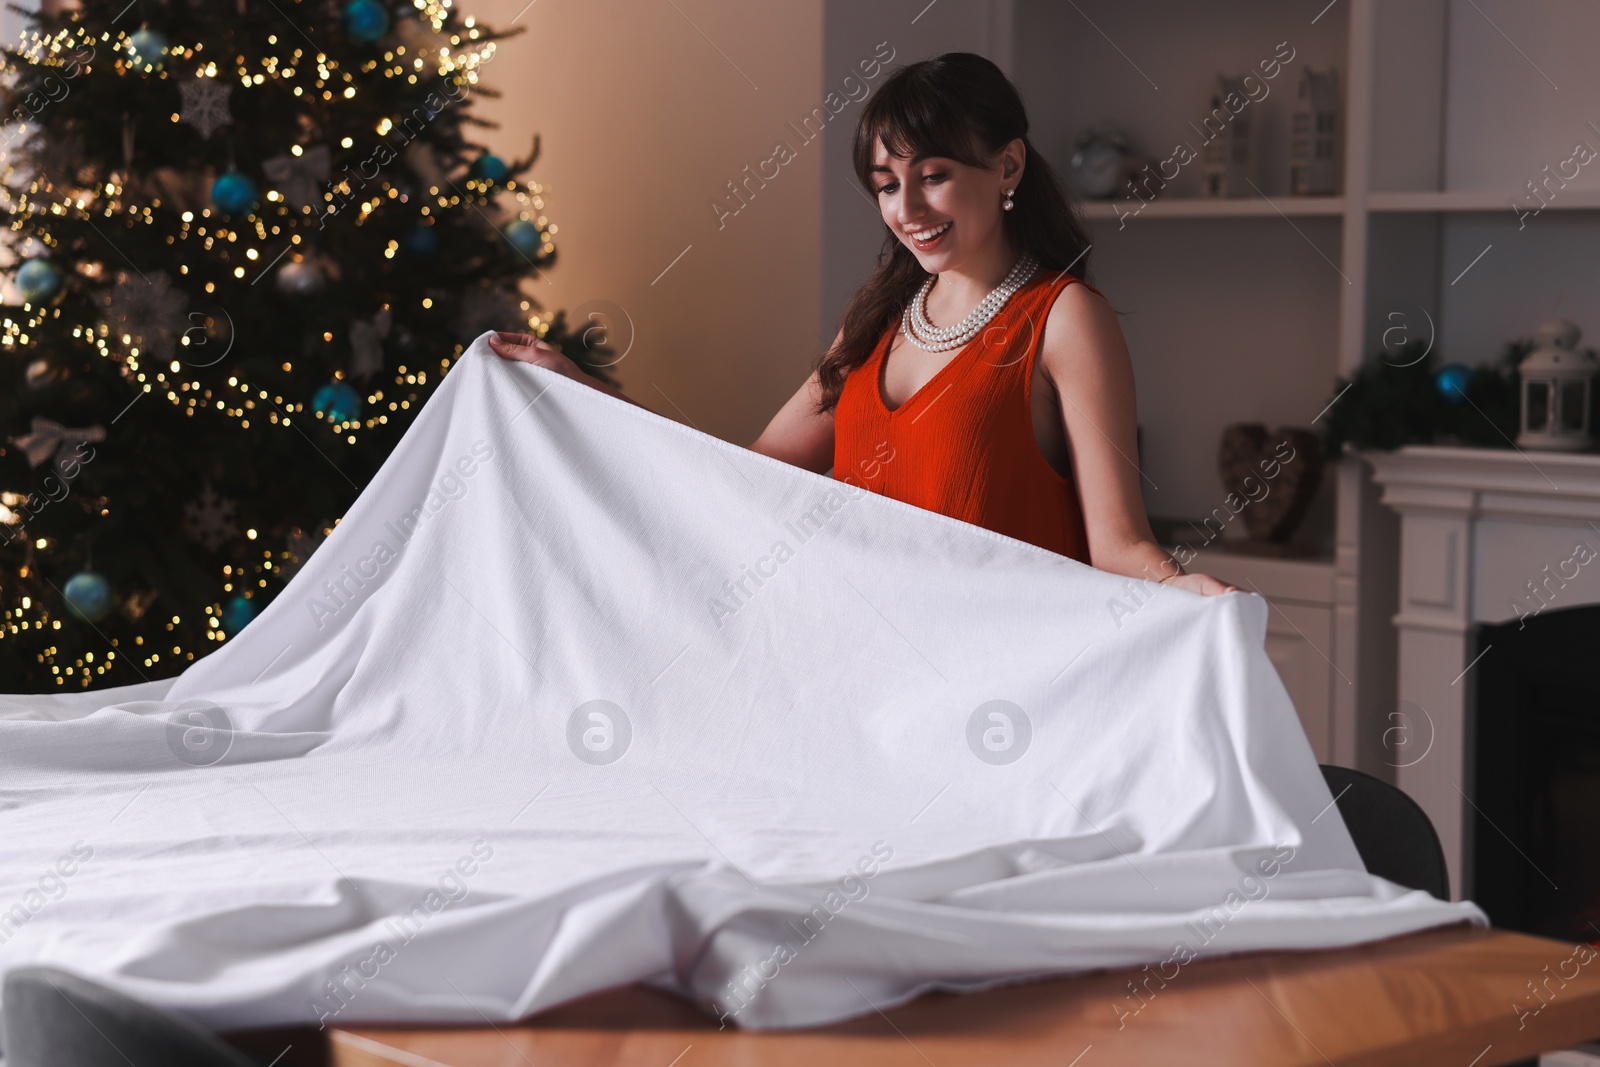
526	348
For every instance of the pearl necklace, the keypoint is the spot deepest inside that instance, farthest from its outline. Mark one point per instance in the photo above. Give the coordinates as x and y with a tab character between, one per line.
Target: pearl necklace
930	338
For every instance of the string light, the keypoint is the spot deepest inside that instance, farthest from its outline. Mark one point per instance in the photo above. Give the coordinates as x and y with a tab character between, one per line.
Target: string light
228	252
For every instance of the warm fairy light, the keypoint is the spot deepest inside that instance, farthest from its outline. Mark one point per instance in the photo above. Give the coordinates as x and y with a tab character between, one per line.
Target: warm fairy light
217	250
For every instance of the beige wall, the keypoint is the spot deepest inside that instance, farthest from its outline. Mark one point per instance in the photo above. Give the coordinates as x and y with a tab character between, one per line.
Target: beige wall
853	231
643	121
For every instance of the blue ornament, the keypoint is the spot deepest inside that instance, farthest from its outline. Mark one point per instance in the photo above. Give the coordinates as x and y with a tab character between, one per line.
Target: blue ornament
488	167
337	402
40	281
88	595
524	237
237	613
147	49
1452	380
422	242
235	194
365	21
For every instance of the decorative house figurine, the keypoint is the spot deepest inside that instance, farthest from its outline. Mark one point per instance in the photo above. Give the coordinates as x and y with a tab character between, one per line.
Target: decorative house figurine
1557	382
1228	161
1314	139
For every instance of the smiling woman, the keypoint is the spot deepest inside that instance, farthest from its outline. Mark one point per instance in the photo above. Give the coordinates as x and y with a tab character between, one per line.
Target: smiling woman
997	375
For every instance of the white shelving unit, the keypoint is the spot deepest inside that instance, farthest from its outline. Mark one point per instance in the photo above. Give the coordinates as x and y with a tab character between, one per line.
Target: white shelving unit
1247	309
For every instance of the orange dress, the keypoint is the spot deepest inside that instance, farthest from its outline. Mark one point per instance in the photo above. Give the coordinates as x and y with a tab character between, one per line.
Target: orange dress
963	444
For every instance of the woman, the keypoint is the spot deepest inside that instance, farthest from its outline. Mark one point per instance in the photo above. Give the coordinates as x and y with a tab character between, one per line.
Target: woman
1018	413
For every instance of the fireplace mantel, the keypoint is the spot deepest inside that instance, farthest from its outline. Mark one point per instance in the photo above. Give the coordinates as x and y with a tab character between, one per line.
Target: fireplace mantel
1486	535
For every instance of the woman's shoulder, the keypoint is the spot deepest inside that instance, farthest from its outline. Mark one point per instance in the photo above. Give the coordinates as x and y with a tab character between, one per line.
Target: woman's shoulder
1067	297
1079	321
1055	282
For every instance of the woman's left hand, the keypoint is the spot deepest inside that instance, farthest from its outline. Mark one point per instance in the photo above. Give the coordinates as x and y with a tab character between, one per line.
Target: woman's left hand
526	348
1203	584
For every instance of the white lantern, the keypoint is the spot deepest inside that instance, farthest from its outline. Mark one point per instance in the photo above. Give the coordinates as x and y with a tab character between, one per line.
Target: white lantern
1557	381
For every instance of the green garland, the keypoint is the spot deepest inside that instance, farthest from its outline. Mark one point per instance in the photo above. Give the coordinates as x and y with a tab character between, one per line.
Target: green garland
1398	399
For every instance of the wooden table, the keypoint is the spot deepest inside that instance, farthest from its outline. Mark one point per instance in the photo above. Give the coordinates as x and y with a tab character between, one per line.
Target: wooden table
1447	996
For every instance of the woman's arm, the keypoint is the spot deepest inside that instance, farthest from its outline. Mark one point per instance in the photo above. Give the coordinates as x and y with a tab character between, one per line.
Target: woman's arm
1087	360
799	435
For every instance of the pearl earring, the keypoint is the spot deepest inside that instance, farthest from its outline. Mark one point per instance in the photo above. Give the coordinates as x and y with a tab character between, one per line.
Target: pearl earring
1008	205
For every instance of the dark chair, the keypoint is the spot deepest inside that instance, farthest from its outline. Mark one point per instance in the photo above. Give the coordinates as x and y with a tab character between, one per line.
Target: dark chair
1392	833
54	1018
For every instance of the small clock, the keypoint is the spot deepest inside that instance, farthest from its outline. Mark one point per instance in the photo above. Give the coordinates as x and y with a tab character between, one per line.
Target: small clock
1099	163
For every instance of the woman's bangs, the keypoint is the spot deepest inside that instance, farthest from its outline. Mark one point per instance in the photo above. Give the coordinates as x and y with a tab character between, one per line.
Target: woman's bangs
908	129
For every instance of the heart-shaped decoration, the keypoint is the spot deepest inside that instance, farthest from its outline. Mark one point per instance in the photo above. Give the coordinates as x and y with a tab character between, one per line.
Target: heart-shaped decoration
1270	478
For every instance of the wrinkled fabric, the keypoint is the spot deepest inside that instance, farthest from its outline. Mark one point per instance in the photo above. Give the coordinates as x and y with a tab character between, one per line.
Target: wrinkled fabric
577	696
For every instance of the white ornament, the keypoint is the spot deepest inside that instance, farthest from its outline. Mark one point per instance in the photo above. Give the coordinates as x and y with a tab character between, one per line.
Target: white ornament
301	277
300	178
1557	384
49	439
209	520
486	308
366	344
205	104
150	311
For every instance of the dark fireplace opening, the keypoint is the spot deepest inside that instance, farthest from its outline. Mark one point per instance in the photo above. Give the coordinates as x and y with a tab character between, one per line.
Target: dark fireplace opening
1534	723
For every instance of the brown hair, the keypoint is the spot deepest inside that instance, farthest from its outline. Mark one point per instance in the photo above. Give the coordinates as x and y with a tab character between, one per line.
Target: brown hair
957	106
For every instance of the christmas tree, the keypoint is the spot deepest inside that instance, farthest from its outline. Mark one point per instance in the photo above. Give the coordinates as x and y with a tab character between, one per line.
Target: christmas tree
250	240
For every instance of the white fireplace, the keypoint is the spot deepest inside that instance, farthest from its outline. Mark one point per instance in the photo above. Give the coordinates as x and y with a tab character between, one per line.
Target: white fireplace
1486	535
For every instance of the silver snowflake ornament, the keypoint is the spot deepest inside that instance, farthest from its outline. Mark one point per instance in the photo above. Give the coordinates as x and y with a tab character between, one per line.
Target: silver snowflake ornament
150	310
205	104
209	520
485	308
300	178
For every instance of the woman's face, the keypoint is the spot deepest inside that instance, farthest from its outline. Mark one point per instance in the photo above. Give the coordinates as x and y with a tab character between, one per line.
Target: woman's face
941	209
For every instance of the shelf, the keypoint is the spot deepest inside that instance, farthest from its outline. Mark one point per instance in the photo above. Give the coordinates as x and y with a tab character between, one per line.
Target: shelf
1480	200
1454	200
1220	208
